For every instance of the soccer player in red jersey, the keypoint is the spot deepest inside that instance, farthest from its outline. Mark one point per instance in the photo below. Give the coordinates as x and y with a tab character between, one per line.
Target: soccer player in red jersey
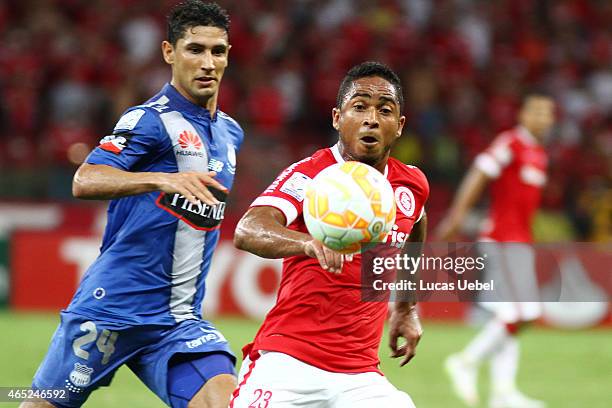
515	166
318	346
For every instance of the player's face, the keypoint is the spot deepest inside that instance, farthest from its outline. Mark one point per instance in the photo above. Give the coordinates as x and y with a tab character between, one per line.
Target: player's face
198	62
369	121
538	115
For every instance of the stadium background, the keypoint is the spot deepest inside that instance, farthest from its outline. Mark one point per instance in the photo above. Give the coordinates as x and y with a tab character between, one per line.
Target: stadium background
68	68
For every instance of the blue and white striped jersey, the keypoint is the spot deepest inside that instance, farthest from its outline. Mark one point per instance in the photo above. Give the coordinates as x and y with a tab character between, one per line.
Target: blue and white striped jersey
157	247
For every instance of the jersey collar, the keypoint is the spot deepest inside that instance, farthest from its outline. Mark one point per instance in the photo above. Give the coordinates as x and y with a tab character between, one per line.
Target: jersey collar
185	105
526	135
339	159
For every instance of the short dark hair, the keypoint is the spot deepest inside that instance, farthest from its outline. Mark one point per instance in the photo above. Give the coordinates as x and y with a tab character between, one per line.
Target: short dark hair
193	13
370	69
535	92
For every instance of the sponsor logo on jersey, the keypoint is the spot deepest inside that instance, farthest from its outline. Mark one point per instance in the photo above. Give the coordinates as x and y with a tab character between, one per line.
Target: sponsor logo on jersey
395	237
284	175
190	145
188	140
159	104
208	336
130	120
199	216
296	185
215	165
405	200
115	143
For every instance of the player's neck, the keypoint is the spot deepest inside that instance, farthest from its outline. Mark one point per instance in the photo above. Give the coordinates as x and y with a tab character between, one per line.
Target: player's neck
538	138
209	104
380	165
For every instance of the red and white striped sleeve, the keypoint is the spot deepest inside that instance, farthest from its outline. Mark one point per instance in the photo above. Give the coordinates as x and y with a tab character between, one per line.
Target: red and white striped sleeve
496	157
286	193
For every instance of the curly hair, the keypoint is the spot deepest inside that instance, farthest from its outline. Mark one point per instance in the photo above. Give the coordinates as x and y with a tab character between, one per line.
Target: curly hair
370	69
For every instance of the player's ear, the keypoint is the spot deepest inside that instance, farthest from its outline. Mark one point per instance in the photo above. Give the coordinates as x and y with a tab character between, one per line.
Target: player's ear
402	122
168	52
336	118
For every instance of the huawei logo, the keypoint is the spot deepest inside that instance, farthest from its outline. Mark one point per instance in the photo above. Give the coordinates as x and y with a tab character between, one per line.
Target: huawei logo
188	139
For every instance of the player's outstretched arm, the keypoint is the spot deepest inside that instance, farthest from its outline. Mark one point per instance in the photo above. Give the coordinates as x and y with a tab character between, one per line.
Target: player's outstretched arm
262	232
404	321
102	182
468	193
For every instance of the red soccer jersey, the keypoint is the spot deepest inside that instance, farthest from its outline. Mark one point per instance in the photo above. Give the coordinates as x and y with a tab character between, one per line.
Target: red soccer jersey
319	317
517	163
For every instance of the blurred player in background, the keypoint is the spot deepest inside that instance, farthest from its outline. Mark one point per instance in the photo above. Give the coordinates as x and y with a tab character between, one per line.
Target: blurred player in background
318	346
515	165
167	167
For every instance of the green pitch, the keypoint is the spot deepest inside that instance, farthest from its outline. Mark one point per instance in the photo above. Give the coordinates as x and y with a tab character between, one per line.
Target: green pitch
566	369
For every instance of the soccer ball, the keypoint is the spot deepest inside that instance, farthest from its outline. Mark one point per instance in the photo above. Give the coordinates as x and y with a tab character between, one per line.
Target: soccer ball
348	204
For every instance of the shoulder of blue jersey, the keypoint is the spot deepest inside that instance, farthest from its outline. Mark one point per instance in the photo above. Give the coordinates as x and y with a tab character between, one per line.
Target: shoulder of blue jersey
130	119
234	128
230	120
134	115
139	120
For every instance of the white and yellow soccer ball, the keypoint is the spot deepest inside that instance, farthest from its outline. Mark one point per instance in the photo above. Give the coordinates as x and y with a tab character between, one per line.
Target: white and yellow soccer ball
348	204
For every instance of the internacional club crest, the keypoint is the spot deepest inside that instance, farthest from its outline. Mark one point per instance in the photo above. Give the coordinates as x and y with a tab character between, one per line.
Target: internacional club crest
405	200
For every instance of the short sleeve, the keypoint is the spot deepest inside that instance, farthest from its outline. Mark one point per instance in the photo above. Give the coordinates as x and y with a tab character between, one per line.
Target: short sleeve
287	191
136	134
422	192
421	214
496	157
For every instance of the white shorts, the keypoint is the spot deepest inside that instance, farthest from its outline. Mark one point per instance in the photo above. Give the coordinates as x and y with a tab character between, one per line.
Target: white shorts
512	267
277	380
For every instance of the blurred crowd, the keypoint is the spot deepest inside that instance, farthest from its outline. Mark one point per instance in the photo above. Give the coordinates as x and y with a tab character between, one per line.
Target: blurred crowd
68	68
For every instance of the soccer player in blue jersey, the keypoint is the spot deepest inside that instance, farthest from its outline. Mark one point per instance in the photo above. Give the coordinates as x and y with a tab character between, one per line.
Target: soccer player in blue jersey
167	167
